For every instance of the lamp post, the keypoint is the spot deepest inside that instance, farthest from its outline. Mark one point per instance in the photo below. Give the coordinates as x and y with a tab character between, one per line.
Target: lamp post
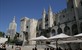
23	37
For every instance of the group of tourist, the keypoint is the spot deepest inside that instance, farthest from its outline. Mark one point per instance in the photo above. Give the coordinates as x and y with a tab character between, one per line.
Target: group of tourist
34	48
2	47
48	48
53	48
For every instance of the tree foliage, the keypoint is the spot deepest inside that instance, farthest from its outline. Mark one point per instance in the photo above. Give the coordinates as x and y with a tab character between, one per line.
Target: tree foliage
13	40
2	34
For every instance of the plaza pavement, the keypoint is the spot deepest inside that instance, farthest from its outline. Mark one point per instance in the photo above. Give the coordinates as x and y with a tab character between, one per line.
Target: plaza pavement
25	47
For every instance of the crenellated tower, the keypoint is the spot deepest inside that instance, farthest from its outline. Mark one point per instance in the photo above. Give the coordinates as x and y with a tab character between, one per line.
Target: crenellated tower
50	17
13	24
12	29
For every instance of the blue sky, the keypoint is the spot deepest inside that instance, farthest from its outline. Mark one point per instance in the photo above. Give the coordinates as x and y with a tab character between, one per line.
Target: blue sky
28	8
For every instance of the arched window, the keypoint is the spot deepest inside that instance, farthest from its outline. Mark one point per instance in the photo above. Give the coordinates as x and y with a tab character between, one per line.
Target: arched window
53	32
67	30
54	23
41	33
26	35
81	3
81	27
74	29
59	30
37	34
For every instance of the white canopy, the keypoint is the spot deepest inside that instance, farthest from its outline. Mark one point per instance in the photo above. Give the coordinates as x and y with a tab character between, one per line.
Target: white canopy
62	35
52	46
3	40
59	36
71	41
78	35
39	38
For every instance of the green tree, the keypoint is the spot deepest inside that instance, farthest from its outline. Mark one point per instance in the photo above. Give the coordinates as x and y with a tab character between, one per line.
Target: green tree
13	40
8	38
16	36
2	34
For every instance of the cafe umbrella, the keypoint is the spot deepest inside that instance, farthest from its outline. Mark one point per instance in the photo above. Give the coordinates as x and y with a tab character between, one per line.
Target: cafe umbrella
78	35
38	38
59	36
3	40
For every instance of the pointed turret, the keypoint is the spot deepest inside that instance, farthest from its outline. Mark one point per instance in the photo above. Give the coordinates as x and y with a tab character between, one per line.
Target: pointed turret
50	13
13	24
50	17
14	19
44	12
50	9
12	28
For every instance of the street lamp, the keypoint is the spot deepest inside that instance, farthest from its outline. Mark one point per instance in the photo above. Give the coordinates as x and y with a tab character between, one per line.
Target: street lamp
24	32
24	36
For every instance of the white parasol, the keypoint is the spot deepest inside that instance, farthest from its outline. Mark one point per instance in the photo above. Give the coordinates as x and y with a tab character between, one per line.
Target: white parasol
3	40
38	38
78	35
71	41
59	36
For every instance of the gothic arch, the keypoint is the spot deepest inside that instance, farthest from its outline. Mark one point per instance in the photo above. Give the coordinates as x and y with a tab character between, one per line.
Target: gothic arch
41	33
59	30
53	32
74	29
26	35
67	30
81	27
37	34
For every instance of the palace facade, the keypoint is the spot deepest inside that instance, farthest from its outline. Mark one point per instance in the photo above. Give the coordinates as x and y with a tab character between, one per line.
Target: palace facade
68	21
